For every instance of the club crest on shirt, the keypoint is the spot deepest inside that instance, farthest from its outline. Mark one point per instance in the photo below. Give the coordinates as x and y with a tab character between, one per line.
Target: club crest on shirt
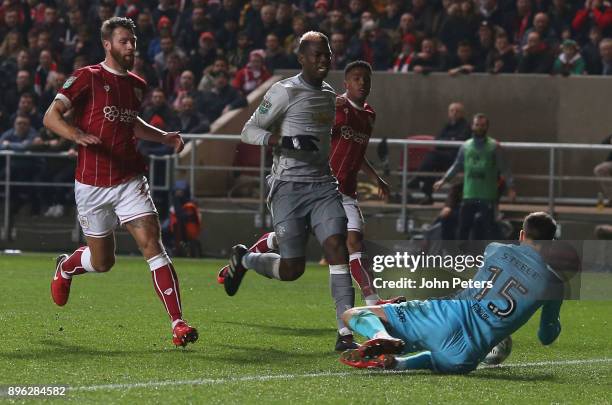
265	106
106	88
69	82
83	221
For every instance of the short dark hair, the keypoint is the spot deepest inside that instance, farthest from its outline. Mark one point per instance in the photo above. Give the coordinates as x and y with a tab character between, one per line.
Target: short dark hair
357	64
311	37
539	226
464	43
480	116
108	26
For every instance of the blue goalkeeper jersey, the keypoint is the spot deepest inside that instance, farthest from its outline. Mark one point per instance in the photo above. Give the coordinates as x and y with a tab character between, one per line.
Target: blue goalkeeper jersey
519	283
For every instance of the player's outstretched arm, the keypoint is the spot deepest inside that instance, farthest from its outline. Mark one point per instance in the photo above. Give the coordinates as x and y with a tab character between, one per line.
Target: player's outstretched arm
55	122
550	325
452	171
383	187
147	132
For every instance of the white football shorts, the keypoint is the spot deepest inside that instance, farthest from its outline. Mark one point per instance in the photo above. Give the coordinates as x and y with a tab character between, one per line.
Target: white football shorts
101	209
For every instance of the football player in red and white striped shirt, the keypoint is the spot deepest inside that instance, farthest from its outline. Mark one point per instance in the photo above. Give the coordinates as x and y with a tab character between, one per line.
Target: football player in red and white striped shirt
350	137
109	184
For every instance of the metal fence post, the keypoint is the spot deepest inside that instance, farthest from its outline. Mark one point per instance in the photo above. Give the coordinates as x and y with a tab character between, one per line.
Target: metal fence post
401	225
551	181
7	197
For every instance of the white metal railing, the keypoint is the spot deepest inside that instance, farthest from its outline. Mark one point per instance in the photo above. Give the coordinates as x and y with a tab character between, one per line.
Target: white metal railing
405	144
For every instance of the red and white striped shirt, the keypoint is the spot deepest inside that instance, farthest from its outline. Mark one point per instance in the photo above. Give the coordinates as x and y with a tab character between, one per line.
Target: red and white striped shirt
106	103
350	137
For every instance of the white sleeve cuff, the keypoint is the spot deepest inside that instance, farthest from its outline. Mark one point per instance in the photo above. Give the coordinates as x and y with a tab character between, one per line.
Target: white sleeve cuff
64	100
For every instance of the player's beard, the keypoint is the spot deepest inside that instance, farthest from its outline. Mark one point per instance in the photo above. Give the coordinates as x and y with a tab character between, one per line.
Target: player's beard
124	61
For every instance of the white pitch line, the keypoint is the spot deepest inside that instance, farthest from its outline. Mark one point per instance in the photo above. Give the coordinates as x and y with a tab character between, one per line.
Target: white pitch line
225	380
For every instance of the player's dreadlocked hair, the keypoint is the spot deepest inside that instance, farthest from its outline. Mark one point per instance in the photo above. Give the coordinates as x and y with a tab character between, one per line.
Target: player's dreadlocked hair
357	64
539	226
109	26
311	37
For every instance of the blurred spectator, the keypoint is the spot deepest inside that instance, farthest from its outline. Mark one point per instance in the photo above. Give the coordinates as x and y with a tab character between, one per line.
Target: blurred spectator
403	61
595	13
204	55
145	32
426	17
541	25
189	35
440	159
160	115
239	56
481	160
169	77
391	18
251	12
491	12
561	15
464	61
186	88
300	26
51	23
20	138
569	62
333	23
339	57
536	57
208	78
276	58
144	70
604	171
253	74
485	44
321	8
55	81
372	46
455	28
192	121
519	21
227	36
229	10
605	54
45	65
355	9
502	59
260	28
165	8
11	45
284	20
428	59
590	51
221	99
167	47
23	84
28	107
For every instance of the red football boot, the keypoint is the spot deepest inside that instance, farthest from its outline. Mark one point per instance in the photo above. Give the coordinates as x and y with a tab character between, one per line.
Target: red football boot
222	273
60	286
394	300
376	347
353	358
183	334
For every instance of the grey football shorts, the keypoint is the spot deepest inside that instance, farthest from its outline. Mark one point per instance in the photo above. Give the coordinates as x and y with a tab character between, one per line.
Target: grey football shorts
297	208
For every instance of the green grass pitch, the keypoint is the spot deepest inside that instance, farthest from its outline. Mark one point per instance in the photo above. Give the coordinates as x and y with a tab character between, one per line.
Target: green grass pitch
271	343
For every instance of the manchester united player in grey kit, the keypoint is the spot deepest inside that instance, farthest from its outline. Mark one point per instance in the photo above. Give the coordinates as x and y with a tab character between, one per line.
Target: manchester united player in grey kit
296	116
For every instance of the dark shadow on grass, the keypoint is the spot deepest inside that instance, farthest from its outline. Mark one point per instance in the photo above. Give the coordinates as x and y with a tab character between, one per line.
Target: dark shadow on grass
60	350
482	374
268	355
285	330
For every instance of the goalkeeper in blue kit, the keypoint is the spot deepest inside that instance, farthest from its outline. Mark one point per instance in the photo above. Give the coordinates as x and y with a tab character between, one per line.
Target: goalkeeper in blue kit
454	335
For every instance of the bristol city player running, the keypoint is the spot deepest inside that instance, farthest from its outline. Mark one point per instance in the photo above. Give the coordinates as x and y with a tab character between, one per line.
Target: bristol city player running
350	136
109	184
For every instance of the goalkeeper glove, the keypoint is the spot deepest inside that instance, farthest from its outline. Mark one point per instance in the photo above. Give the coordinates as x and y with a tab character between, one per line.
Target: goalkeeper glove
300	142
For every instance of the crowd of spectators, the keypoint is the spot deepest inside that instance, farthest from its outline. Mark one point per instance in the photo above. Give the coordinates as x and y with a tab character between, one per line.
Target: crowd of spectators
202	58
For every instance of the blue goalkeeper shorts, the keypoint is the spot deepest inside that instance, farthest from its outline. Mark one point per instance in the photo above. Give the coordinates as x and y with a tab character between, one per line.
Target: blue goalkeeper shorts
439	326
